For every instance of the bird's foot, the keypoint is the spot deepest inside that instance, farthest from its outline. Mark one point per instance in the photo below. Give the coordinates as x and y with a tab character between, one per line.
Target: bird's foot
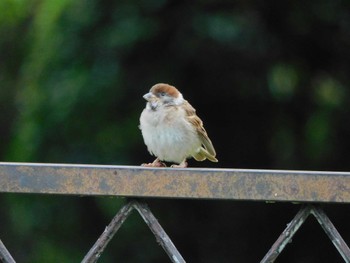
156	163
181	165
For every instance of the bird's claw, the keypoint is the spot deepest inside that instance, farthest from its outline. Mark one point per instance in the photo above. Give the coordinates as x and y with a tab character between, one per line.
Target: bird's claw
181	165
154	164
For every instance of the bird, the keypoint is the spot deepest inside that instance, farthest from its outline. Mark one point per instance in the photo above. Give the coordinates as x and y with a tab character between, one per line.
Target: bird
171	129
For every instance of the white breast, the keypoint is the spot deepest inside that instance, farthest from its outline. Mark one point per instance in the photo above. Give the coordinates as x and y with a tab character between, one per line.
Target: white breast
168	135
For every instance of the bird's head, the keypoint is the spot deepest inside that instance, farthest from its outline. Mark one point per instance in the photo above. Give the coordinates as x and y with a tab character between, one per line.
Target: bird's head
163	94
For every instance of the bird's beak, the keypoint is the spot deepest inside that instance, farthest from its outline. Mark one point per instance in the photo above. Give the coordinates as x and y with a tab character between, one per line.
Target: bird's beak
152	100
149	96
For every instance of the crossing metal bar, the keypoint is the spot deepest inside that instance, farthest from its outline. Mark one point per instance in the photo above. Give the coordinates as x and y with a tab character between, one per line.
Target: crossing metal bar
163	239
332	233
95	252
5	255
297	222
287	235
136	181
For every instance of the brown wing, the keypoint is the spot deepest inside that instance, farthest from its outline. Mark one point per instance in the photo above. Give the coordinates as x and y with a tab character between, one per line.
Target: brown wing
208	151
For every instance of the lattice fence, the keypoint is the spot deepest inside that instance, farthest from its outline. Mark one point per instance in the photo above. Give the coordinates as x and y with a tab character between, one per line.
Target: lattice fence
309	188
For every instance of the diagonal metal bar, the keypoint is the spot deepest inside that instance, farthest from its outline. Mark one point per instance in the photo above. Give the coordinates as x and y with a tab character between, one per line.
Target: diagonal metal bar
5	255
95	252
332	232
287	235
159	232
97	249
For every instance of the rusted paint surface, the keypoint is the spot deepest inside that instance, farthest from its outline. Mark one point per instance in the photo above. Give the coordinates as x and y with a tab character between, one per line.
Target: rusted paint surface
136	181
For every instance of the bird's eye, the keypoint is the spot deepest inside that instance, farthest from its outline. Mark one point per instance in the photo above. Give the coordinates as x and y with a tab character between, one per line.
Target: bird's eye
162	94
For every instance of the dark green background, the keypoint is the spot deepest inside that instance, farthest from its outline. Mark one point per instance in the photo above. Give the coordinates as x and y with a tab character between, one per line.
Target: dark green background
270	79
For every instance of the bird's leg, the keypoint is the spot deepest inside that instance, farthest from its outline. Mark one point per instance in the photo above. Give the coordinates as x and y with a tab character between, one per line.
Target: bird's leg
183	164
156	163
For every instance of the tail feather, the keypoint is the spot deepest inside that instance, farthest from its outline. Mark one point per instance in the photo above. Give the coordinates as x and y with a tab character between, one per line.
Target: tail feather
204	154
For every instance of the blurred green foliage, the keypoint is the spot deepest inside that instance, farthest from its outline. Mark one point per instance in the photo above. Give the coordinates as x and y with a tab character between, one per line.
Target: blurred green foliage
269	79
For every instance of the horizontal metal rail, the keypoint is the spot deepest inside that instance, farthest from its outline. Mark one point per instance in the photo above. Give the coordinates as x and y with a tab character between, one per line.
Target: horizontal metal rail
136	181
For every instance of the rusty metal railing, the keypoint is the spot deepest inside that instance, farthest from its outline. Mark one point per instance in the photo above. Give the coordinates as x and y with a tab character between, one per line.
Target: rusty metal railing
307	187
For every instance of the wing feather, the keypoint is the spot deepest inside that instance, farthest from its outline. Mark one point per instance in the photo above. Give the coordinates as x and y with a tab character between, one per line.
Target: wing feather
192	117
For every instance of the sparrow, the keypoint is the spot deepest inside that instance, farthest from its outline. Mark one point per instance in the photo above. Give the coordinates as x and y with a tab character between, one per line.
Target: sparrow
171	129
